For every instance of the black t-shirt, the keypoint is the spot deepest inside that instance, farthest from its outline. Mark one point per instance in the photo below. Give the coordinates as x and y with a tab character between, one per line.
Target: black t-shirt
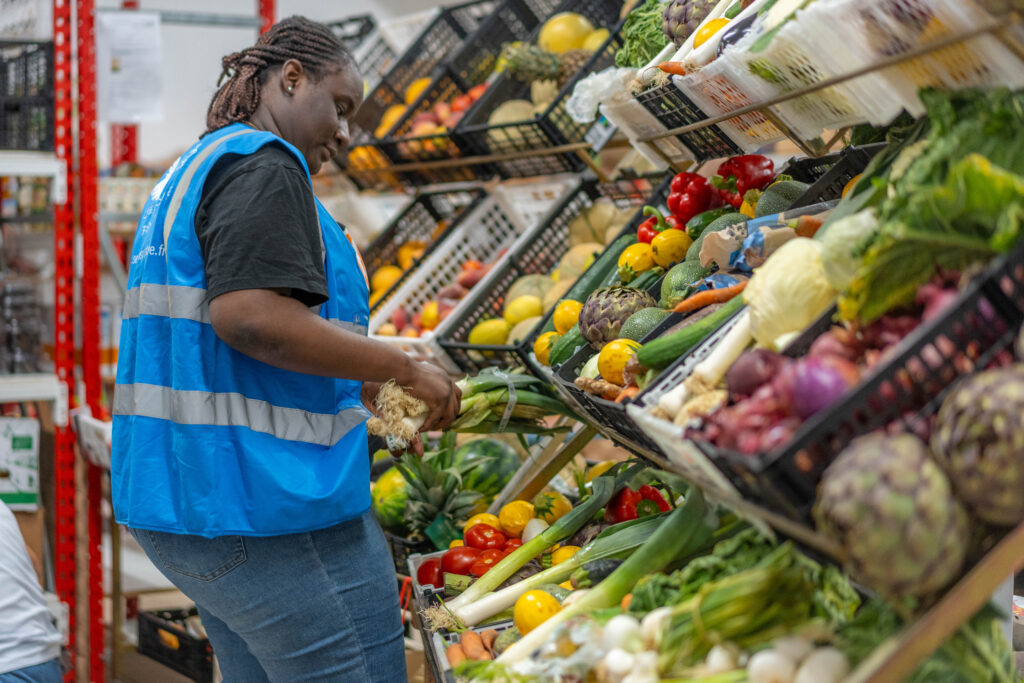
258	229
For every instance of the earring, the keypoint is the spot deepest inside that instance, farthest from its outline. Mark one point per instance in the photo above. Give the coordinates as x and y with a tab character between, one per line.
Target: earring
291	89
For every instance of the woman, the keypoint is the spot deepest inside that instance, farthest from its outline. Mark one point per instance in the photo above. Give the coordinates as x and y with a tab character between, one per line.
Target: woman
239	455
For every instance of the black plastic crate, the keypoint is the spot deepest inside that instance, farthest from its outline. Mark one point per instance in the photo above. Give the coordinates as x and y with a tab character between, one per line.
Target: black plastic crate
372	53
674	109
554	127
419	222
539	253
982	323
164	637
401	548
353	30
26	69
829	184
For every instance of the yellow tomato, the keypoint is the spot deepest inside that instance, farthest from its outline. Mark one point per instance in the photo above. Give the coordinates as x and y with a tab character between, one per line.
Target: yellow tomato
551	506
611	362
564	553
532	609
707	30
515	516
482	518
566	315
542	347
457	543
635	259
599	469
669	247
850	185
567	585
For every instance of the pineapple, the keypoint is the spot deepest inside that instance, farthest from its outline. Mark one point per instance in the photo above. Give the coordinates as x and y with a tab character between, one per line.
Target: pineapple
530	63
434	489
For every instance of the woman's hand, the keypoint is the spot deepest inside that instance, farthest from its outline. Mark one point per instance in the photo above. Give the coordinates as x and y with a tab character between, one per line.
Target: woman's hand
432	385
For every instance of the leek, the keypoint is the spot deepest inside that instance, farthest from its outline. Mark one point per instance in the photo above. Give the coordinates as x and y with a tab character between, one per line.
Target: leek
603	489
615	541
684	531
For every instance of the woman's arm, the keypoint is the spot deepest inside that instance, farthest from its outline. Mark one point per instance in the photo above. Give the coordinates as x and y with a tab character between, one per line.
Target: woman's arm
279	330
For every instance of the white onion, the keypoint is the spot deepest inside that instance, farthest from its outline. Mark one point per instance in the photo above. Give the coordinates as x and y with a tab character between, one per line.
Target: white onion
824	665
771	666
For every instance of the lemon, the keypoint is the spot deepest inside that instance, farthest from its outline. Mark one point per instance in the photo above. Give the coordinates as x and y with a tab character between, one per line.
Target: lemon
596	39
376	296
707	30
611	362
566	315
564	31
492	332
523	307
385	277
389	119
542	347
415	89
431	315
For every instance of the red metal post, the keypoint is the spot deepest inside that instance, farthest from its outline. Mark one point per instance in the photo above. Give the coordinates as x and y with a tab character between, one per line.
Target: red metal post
266	10
64	313
88	188
124	139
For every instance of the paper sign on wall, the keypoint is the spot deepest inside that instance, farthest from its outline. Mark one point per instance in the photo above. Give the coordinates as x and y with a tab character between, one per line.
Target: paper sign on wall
19	462
128	67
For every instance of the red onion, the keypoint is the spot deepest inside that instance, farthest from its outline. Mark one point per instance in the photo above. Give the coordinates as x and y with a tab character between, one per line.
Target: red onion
752	370
939	303
830	344
817	386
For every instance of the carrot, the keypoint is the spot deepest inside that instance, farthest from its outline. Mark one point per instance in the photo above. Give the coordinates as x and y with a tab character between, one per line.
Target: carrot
455	654
674	68
626	600
473	646
708	297
488	637
806	226
627	393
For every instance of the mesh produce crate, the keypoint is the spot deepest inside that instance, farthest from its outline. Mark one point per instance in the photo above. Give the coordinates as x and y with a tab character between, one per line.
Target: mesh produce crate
966	336
537	253
26	95
164	637
371	51
828	179
470	66
486	234
554	126
427	219
674	109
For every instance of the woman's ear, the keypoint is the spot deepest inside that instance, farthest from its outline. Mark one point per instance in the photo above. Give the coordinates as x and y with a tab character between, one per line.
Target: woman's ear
292	75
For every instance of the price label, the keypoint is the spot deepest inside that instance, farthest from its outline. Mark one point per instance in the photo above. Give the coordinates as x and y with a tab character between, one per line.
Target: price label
600	133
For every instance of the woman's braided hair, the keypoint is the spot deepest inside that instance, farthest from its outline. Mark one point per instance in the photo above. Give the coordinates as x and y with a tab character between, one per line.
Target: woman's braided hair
313	44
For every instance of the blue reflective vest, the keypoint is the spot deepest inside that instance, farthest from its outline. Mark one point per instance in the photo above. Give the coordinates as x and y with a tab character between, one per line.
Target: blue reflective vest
210	441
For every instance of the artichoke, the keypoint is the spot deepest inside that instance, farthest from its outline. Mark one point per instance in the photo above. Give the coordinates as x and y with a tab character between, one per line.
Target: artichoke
980	443
892	509
682	17
605	311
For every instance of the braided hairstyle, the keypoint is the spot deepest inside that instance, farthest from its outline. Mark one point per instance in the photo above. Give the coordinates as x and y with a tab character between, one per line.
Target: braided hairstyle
313	44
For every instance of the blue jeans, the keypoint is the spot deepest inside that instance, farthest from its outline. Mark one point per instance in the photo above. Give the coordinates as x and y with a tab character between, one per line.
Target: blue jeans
316	606
47	672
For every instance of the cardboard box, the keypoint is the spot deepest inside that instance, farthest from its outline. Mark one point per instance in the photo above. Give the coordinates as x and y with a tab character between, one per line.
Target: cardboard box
33	530
19	462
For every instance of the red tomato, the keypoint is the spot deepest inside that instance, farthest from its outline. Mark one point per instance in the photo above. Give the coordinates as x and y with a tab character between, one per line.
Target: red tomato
481	567
476	91
429	574
459	560
495	554
461	103
512	543
485	537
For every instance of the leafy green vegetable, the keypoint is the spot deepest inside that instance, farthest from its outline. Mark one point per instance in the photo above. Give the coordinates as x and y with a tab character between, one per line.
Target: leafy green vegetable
977	653
642	35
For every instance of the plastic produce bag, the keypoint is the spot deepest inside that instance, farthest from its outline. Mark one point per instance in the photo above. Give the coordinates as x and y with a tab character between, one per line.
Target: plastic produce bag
608	86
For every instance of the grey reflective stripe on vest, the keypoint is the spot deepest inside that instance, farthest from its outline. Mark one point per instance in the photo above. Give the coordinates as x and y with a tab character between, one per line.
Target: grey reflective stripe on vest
188	303
200	408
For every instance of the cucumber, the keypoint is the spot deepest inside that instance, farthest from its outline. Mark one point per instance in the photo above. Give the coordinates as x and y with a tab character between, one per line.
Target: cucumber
659	353
695	226
565	346
720	223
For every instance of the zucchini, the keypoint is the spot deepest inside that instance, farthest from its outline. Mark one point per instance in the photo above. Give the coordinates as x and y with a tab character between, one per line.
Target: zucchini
659	353
565	346
695	226
647	279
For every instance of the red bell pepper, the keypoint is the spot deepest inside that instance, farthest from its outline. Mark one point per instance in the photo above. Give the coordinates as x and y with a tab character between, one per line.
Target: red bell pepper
737	175
647	230
484	537
459	560
689	195
628	504
429	574
673	223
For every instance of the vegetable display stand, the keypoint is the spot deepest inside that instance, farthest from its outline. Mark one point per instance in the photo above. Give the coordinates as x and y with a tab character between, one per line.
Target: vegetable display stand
402	549
486	235
965	337
364	39
441	38
26	95
164	636
830	174
539	252
426	221
470	66
552	127
673	109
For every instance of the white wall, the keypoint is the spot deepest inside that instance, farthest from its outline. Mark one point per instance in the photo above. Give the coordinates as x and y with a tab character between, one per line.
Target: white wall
191	62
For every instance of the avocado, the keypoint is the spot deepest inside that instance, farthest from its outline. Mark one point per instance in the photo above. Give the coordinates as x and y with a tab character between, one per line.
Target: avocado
778	197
